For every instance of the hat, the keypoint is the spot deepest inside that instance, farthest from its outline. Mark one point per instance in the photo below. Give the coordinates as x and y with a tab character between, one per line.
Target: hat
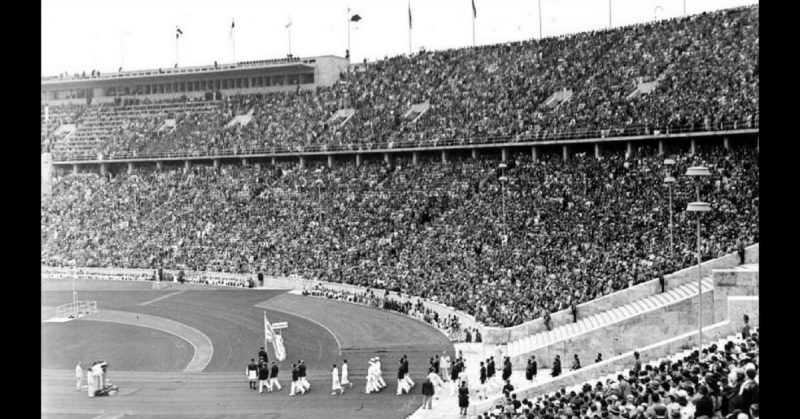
683	393
676	414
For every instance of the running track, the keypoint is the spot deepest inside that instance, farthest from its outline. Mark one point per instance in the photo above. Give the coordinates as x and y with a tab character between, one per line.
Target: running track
148	364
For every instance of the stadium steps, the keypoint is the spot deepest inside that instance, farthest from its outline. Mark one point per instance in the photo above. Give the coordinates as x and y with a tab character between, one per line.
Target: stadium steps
603	319
521	386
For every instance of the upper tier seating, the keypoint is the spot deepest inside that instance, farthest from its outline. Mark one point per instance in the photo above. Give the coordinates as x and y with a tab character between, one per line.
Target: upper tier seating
707	67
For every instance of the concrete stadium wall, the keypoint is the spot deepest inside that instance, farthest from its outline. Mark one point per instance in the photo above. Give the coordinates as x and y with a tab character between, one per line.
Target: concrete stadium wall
730	283
496	335
621	362
738	306
638	331
132	274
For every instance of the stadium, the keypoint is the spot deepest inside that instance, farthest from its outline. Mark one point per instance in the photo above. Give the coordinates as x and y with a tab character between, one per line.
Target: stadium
559	227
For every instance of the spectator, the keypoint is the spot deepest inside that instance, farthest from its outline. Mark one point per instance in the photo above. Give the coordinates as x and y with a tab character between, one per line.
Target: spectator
556	367
576	363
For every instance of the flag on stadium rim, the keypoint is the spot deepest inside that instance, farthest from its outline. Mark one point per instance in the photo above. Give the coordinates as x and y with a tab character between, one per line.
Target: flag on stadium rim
232	26
474	11
178	32
269	334
409	16
355	17
288	24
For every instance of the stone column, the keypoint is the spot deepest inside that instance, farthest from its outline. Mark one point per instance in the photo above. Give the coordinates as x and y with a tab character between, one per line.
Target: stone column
187	164
504	154
414	157
159	166
629	148
244	161
273	161
597	150
103	169
387	158
660	147
358	160
534	153
692	146
726	143
565	152
75	169
330	160
475	154
130	168
302	162
444	156
216	163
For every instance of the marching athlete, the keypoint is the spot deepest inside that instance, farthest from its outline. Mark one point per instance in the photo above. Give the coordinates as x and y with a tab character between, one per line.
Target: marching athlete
251	371
273	378
345	380
336	384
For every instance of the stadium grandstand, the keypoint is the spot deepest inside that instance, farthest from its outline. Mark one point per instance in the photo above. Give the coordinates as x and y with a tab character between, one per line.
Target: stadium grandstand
538	194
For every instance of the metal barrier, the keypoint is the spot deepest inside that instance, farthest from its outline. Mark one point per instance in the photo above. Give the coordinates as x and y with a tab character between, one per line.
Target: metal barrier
76	309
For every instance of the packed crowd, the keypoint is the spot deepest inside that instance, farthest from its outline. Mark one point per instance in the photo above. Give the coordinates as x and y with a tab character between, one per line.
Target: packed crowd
706	67
450	325
553	234
710	383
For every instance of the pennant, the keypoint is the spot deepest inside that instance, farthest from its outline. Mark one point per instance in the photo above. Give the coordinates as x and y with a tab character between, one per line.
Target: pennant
269	335
409	16
355	18
230	35
474	11
289	24
178	32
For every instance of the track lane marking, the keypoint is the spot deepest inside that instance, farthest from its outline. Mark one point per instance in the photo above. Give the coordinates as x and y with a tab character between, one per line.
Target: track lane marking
161	298
203	348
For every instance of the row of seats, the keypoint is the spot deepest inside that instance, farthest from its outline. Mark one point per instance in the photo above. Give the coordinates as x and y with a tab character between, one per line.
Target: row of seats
706	68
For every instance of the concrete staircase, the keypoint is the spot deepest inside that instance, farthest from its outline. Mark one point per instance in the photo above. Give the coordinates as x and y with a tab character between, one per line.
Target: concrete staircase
557	98
416	111
541	387
341	117
242	120
569	334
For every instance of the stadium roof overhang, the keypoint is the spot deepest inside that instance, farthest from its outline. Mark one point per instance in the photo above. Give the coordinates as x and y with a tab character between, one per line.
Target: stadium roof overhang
153	76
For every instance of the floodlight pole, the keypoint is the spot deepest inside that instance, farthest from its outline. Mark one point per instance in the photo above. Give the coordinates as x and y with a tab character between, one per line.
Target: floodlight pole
699	207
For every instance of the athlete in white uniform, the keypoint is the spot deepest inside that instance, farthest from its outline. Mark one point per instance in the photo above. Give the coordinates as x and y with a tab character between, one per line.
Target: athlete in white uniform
345	380
379	373
336	384
78	376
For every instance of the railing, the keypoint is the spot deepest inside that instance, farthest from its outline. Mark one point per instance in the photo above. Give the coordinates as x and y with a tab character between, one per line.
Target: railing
545	135
167	71
76	309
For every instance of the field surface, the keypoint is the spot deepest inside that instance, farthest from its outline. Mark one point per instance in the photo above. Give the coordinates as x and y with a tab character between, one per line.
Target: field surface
182	352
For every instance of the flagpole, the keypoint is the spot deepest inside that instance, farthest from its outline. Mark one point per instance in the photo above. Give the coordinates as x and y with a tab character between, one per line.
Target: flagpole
349	52
540	19
609	14
176	50
473	30
409	29
289	32
233	40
